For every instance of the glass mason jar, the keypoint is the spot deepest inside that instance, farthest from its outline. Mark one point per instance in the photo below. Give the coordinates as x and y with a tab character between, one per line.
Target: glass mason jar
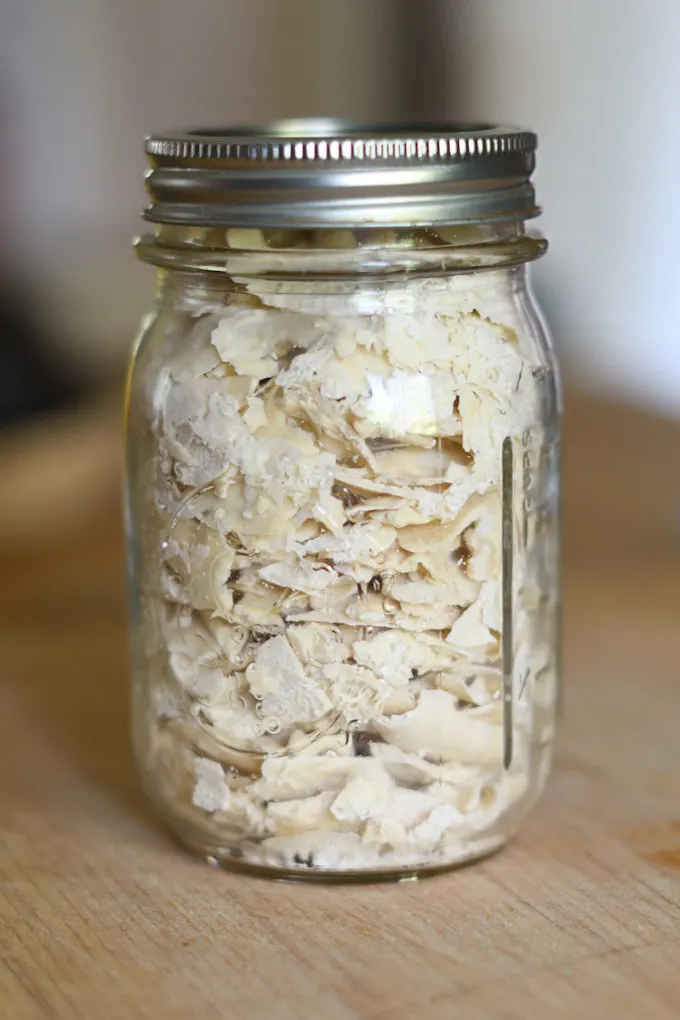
342	422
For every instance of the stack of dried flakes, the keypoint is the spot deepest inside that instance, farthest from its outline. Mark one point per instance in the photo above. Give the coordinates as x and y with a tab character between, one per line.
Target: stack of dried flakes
328	692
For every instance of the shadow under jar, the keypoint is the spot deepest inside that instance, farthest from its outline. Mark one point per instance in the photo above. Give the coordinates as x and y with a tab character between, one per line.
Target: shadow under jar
342	422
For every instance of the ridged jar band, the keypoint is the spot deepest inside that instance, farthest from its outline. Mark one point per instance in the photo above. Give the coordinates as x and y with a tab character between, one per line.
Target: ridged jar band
333	174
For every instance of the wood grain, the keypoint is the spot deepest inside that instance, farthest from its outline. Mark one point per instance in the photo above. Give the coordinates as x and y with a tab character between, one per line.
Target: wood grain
102	915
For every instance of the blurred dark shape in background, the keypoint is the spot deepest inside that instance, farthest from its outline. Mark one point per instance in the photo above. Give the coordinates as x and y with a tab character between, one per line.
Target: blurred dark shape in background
30	380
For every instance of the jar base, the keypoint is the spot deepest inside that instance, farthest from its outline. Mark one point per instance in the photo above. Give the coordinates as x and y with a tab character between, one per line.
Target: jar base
234	860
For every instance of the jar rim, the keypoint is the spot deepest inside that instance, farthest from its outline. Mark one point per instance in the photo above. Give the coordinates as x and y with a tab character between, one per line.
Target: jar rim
460	250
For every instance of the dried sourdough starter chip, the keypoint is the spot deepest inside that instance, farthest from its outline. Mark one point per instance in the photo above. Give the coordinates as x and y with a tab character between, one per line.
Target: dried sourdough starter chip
285	692
211	792
397	654
252	339
474	628
437	729
320	643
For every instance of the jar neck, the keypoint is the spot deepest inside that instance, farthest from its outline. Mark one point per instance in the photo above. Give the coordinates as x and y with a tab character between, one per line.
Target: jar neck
340	253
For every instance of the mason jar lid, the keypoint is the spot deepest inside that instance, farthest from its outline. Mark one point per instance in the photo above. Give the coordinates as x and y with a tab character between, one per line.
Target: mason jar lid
329	173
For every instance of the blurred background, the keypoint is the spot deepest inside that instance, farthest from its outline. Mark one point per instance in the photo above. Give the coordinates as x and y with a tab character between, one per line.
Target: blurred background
82	81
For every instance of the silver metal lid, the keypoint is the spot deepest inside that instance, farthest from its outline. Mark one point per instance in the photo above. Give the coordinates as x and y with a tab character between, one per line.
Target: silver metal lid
329	173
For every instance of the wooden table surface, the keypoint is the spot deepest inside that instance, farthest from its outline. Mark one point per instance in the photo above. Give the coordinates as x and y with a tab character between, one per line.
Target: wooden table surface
102	916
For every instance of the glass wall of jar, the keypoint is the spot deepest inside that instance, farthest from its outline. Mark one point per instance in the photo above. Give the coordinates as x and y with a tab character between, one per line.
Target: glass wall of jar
343	537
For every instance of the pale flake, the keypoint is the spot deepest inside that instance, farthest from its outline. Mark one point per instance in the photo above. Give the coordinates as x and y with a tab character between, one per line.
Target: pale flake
365	796
473	629
303	575
255	417
394	655
303	775
293	817
363	542
355	691
441	819
436	728
285	693
211	792
319	643
247	339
